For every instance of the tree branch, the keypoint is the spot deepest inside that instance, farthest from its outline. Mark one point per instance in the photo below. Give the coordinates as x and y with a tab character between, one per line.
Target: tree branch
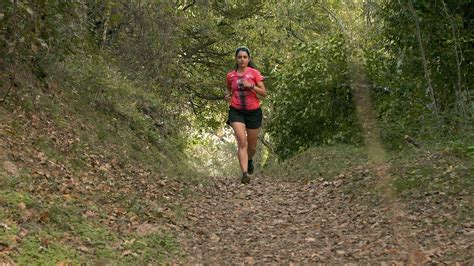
12	82
268	145
457	52
189	5
195	112
335	17
204	96
293	33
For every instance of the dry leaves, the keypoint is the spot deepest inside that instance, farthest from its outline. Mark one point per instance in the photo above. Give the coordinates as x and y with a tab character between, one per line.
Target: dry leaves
269	221
278	221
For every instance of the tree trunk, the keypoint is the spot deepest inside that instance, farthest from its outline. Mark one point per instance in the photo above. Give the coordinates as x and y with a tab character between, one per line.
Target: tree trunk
460	95
336	18
13	51
368	15
426	67
106	23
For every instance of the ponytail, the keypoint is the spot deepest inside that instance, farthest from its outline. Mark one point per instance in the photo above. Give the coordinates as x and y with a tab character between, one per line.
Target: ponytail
251	64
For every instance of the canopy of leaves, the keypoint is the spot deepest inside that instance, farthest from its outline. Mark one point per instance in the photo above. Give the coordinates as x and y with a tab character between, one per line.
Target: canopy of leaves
180	51
312	103
399	81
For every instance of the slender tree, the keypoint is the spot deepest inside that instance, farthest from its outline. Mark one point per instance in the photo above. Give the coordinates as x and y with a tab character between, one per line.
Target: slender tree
426	67
458	56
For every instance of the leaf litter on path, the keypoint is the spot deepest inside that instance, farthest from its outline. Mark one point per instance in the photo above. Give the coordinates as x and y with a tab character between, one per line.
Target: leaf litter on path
282	221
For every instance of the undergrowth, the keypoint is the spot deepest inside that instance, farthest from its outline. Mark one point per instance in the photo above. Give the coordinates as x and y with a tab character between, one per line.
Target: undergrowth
446	168
132	120
323	162
56	231
99	158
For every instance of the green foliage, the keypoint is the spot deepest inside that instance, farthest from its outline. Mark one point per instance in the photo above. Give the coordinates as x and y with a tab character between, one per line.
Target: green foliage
312	102
112	115
34	252
53	230
179	53
213	153
322	162
150	248
462	147
35	33
443	170
399	80
97	85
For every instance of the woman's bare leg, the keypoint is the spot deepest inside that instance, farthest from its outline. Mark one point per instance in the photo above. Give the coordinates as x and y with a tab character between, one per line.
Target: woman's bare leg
252	137
241	137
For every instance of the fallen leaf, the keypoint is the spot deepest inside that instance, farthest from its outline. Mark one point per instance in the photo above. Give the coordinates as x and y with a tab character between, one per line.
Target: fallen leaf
4	247
249	260
147	229
10	168
214	238
340	252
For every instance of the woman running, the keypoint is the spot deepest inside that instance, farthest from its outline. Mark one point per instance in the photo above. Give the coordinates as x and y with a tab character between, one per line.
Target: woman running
244	85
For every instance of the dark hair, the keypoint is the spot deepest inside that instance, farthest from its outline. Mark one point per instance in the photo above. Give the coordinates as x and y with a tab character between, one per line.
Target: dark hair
247	50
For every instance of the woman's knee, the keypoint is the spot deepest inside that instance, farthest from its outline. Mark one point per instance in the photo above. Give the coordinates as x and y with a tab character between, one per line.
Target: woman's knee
243	144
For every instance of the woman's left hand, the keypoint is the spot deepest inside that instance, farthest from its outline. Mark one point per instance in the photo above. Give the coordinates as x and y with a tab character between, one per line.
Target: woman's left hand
247	84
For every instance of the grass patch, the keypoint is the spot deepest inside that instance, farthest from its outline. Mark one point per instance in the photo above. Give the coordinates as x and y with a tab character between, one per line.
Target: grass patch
444	170
416	177
441	178
319	162
149	249
46	145
59	233
12	198
37	251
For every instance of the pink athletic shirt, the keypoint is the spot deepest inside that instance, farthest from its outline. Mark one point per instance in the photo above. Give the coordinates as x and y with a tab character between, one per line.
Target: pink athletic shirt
242	98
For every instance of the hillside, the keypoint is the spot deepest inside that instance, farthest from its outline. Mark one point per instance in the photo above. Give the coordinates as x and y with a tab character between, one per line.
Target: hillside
78	188
321	206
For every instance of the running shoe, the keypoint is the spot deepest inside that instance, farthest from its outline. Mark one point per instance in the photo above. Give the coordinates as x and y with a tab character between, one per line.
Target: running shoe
245	178
251	168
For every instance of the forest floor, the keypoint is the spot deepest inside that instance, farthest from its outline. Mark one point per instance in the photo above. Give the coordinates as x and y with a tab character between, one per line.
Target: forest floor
276	220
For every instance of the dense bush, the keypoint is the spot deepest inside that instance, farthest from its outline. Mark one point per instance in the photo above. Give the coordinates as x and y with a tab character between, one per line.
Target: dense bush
418	64
312	102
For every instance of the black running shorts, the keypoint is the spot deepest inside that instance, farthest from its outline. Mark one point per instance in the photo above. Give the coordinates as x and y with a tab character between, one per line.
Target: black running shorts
251	118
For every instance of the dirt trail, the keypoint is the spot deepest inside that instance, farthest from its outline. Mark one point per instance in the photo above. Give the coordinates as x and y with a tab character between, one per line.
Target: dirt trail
281	221
273	220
